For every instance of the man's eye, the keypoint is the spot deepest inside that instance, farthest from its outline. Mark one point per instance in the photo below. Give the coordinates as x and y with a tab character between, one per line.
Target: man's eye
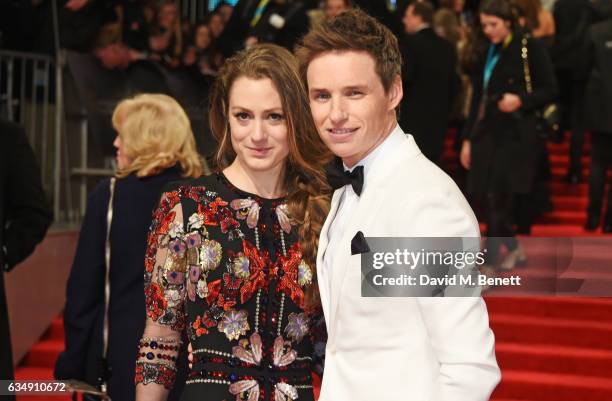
354	93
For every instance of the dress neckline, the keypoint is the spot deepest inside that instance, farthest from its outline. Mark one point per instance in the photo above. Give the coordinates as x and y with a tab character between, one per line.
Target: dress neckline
244	194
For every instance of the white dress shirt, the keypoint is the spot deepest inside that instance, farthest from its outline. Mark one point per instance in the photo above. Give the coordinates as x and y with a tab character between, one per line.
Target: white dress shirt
349	201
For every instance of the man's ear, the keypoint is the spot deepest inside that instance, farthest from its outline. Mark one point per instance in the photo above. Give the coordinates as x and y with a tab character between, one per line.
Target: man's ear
395	93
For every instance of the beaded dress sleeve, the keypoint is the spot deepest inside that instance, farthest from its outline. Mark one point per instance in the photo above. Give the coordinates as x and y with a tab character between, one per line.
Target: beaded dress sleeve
165	289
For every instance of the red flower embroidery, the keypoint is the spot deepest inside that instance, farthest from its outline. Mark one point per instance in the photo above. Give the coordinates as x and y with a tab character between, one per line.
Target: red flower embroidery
165	223
257	278
194	193
214	287
211	210
288	283
208	319
227	221
162	217
197	325
156	303
208	213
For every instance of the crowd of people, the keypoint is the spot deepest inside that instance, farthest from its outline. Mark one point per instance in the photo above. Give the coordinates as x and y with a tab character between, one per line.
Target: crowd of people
487	69
443	48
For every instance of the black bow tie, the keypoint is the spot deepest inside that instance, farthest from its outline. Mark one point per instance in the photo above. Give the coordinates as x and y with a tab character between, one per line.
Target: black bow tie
337	177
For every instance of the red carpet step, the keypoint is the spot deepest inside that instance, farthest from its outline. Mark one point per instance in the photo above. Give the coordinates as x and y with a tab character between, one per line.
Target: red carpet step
517	328
550	386
38	373
555	359
578	309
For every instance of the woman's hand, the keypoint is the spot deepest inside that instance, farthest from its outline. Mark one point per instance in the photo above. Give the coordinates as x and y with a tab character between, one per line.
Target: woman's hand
509	103
466	154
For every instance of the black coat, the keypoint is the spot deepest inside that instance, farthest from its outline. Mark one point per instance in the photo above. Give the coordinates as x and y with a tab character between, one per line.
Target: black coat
572	19
598	95
505	146
135	199
24	218
430	83
238	28
296	24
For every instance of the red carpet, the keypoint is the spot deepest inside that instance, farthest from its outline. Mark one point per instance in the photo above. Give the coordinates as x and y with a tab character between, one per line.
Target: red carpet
549	349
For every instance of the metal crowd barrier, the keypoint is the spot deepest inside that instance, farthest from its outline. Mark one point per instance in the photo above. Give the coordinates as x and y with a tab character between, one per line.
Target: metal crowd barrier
29	96
66	110
195	10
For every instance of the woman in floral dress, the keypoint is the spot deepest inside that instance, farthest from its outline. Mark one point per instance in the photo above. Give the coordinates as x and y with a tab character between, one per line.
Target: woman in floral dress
231	256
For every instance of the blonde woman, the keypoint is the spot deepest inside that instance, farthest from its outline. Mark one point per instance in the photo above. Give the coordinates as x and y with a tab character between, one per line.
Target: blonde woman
155	145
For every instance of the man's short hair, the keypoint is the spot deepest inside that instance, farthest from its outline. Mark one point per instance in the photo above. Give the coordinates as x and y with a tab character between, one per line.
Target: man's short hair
353	30
423	9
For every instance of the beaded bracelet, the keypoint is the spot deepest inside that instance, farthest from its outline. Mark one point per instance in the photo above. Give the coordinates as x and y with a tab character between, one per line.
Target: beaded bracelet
162	339
150	356
155	344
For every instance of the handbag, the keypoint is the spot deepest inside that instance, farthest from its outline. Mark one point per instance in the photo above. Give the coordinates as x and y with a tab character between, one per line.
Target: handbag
548	118
78	387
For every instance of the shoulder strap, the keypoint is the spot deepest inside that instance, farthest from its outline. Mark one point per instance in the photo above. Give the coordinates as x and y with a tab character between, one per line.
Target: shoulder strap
107	255
526	69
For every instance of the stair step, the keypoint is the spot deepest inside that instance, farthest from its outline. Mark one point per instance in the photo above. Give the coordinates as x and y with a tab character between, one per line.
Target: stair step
563	332
554	359
589	309
38	373
567	257
563	149
507	399
569	203
557	160
542	386
558	173
564	217
44	353
33	372
559	230
56	330
564	189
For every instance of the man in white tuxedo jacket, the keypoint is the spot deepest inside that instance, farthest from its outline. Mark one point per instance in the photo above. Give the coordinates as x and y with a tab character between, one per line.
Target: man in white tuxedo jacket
392	349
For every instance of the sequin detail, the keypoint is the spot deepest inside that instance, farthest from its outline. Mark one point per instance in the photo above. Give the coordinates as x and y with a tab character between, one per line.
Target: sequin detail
234	324
240	266
210	255
304	274
297	327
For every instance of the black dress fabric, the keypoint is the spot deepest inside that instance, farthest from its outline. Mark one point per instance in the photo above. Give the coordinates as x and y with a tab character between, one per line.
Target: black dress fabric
226	266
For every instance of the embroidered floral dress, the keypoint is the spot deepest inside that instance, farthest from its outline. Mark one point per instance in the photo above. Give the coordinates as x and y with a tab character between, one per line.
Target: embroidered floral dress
226	266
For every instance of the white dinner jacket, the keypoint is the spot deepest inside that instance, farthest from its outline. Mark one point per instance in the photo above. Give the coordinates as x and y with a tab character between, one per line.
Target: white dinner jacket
403	349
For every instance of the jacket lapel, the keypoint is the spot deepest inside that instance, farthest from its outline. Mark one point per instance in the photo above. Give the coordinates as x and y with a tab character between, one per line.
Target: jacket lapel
357	221
323	242
372	199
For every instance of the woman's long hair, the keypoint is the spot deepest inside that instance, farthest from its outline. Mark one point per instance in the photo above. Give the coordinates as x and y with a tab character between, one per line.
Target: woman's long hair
530	11
305	182
476	49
